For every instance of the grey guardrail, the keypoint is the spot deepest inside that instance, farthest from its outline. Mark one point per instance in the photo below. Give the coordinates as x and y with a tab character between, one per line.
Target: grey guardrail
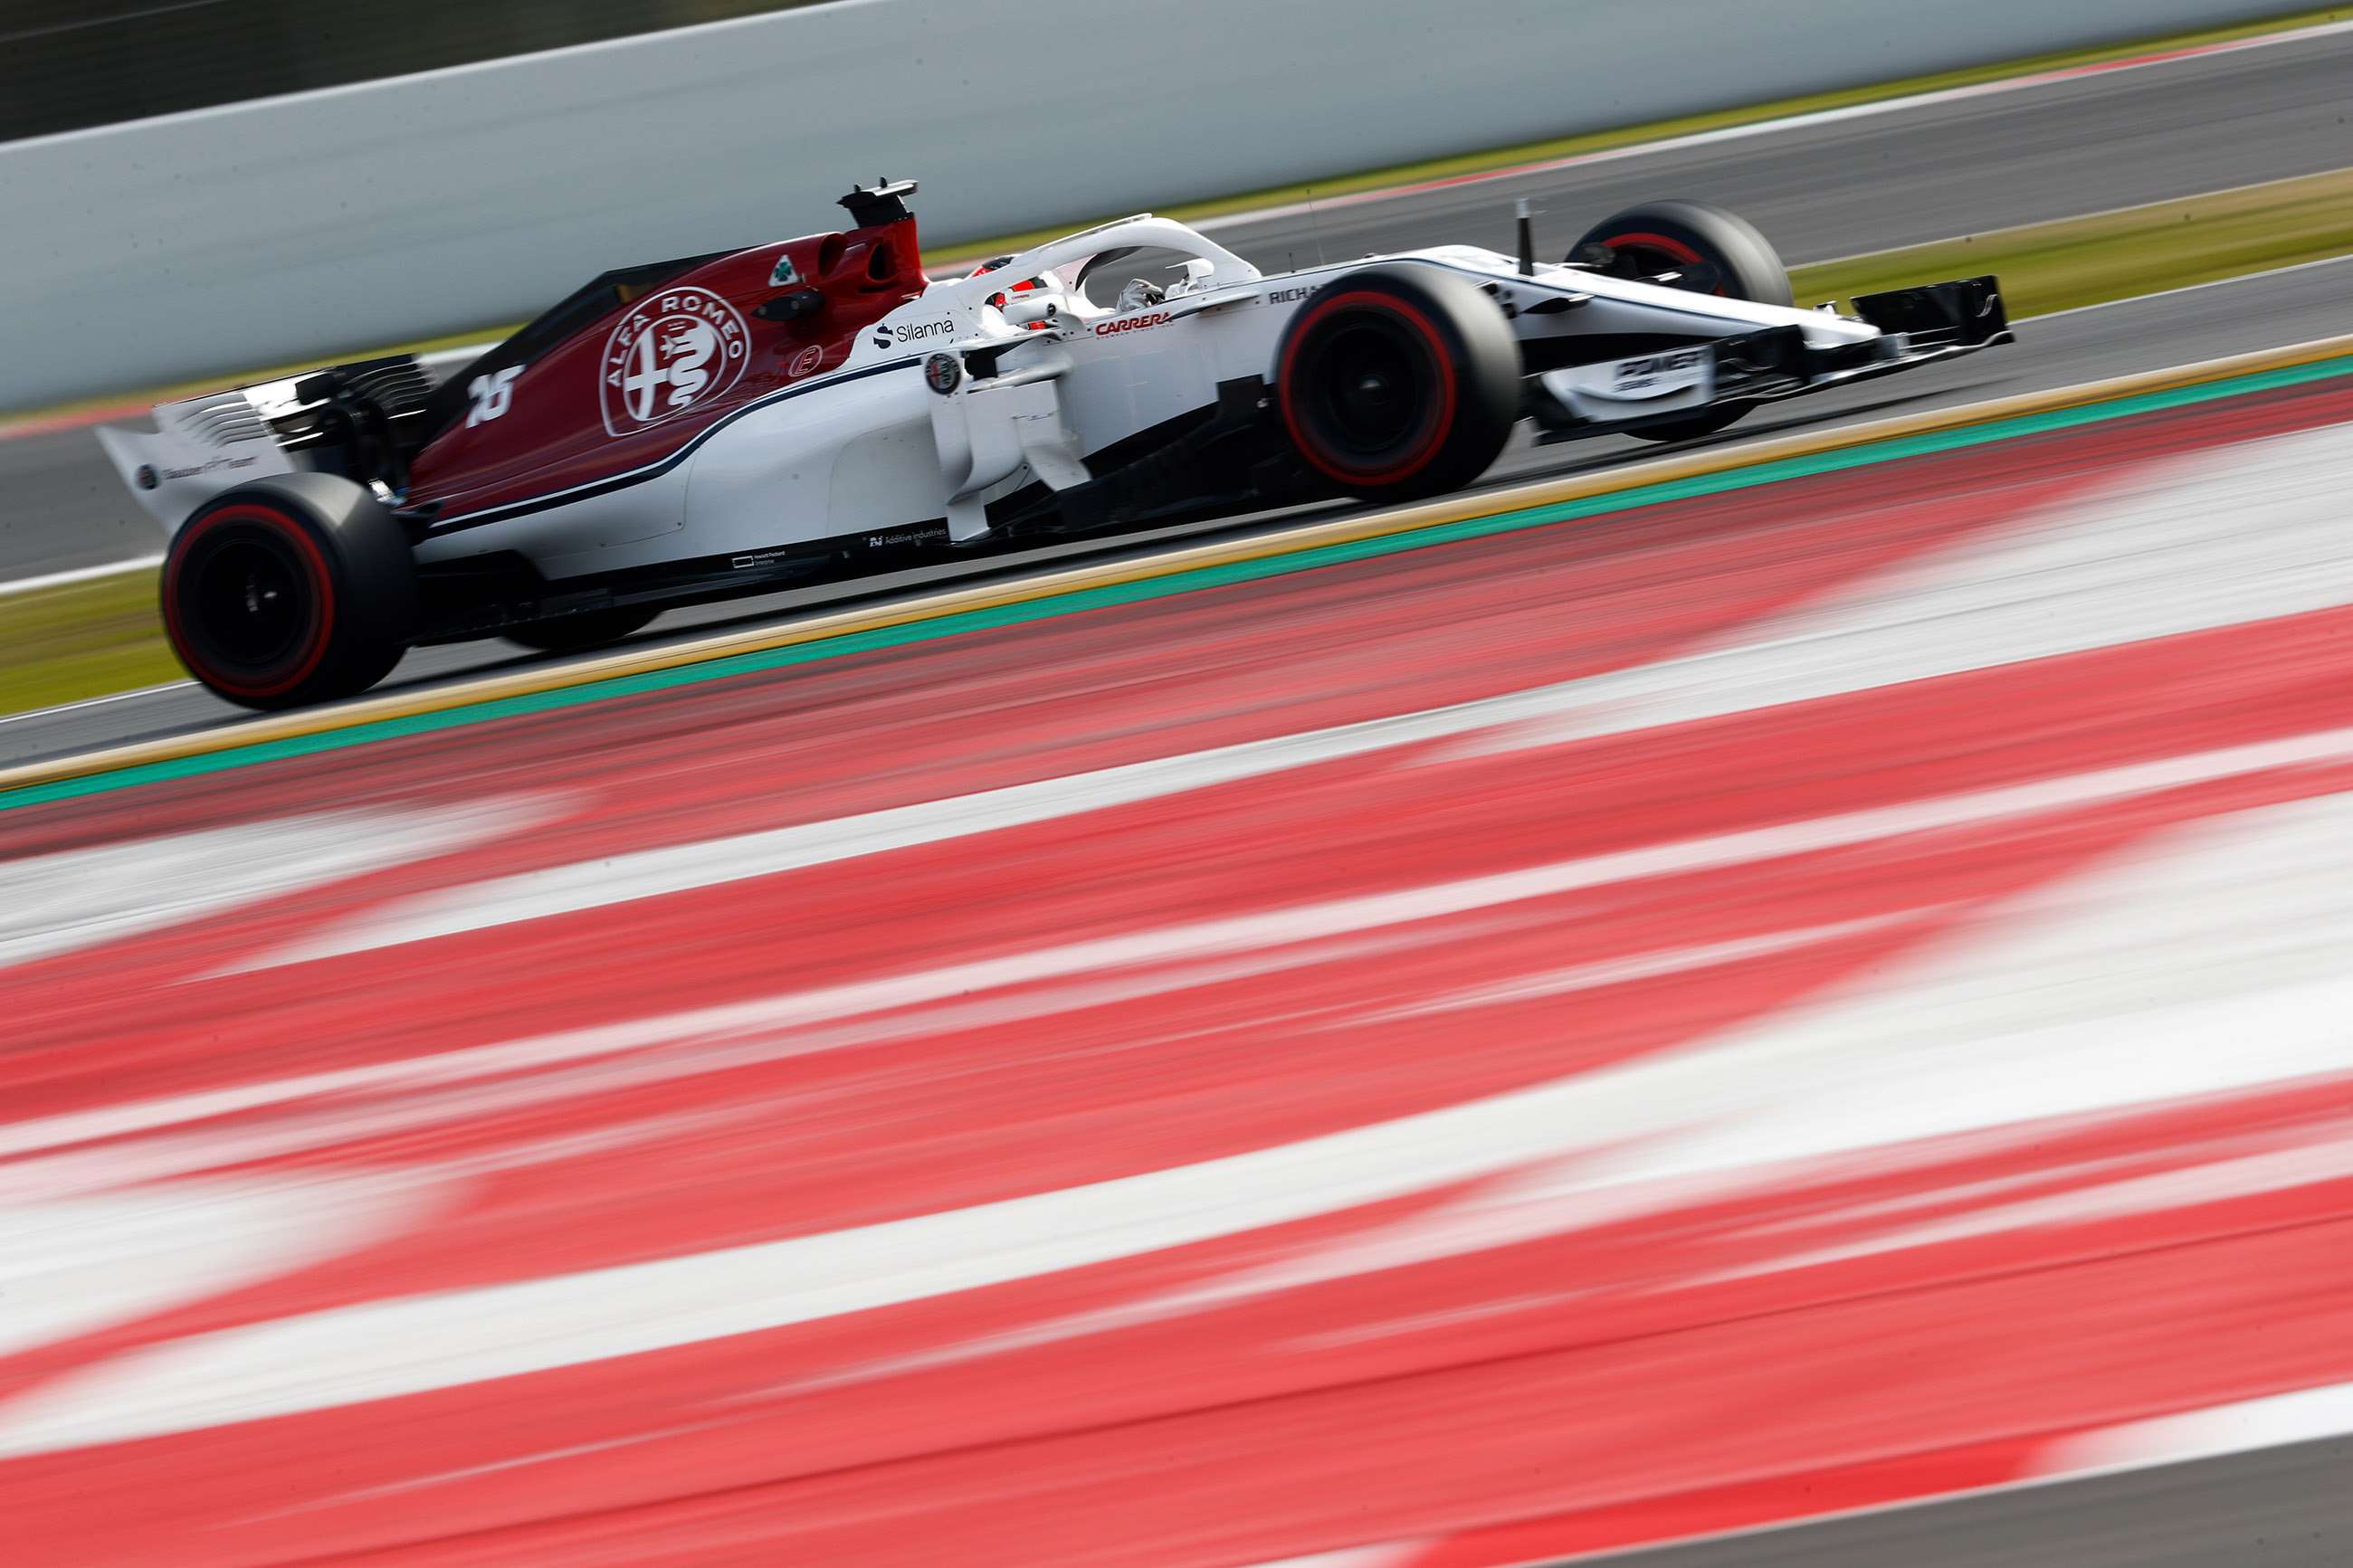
191	244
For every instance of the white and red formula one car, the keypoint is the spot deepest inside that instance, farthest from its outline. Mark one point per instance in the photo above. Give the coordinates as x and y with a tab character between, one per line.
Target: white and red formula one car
734	422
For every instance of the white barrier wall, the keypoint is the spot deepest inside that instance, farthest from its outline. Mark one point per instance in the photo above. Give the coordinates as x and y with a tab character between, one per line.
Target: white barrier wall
307	225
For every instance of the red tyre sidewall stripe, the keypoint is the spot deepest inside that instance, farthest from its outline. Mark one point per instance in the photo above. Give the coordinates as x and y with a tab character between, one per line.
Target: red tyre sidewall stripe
285	526
1428	451
1673	246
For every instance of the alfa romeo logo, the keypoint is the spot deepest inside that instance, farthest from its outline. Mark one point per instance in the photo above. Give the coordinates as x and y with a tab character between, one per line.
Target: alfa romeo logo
676	350
942	372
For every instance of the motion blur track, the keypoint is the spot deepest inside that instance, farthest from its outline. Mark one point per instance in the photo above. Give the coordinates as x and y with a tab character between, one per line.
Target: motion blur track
600	1033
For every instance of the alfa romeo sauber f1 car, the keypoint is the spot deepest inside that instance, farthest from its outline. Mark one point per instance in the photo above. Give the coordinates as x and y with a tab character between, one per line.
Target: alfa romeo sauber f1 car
736	423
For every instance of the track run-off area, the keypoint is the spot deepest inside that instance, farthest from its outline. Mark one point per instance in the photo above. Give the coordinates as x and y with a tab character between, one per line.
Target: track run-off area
1783	981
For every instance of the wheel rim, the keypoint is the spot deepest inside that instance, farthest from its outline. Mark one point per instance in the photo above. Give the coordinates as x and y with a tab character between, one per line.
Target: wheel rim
249	599
1371	388
247	602
1367	393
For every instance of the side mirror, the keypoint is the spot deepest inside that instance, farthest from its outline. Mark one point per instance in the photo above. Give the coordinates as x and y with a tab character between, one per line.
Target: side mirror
792	307
1030	308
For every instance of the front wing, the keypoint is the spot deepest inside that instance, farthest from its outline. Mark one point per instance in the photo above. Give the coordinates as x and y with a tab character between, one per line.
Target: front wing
1918	325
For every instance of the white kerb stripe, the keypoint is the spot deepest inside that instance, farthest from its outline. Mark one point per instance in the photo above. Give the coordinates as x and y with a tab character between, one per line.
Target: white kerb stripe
1285	926
1664	1117
2308	1415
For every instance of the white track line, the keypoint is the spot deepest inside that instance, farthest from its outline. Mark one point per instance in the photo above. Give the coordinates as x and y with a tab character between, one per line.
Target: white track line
2194	287
1771	127
64	708
79	575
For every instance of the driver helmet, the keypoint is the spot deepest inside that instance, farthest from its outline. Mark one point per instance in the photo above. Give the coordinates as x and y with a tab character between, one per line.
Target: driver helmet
997	299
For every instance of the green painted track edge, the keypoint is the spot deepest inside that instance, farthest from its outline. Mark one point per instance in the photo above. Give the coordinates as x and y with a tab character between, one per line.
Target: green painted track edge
1195	580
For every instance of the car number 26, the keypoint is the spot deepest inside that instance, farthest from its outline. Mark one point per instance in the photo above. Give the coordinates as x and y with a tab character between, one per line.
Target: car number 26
493	394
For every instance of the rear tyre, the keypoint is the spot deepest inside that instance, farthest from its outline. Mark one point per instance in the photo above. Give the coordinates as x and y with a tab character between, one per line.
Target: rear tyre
295	589
1398	382
577	633
1695	246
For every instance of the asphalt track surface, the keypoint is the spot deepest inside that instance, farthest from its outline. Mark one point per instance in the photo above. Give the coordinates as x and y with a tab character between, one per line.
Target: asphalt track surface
2056	150
2286	1508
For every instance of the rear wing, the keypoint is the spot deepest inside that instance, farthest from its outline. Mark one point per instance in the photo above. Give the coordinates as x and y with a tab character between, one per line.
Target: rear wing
360	419
200	447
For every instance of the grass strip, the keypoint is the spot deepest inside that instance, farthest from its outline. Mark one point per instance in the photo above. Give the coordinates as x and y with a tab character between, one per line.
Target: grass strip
2060	265
82	639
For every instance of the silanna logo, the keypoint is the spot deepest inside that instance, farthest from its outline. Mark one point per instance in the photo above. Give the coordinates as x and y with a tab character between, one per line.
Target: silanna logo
675	351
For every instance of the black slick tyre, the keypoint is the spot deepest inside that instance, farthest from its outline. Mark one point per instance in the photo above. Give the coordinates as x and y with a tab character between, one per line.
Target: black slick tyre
294	589
1688	244
1398	382
578	633
1695	246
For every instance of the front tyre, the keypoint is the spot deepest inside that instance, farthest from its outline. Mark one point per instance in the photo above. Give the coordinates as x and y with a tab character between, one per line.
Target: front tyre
295	589
1696	247
1690	245
1398	382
